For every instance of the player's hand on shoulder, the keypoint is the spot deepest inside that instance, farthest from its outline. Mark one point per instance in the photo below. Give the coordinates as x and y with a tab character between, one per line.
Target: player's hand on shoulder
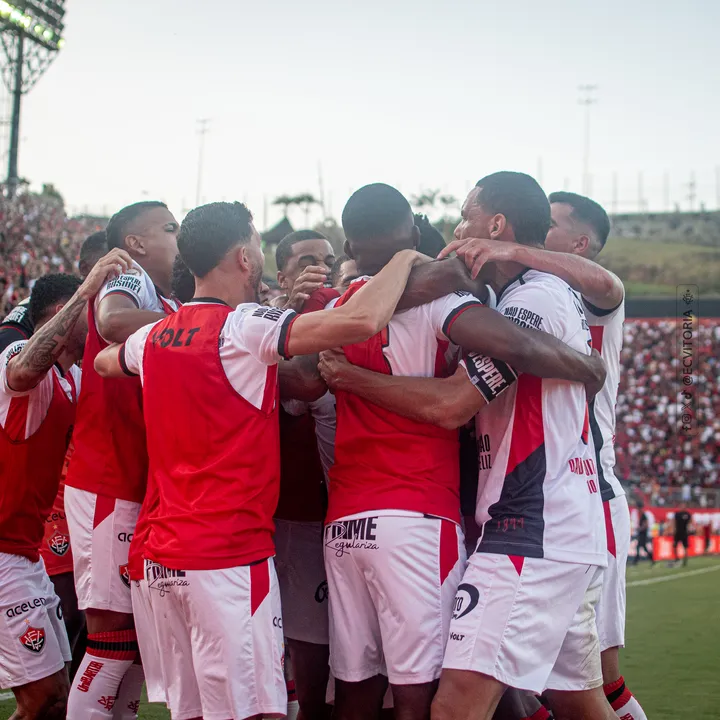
115	263
597	366
311	279
476	252
335	369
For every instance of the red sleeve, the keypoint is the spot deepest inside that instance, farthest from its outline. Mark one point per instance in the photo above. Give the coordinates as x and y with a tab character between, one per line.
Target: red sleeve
320	299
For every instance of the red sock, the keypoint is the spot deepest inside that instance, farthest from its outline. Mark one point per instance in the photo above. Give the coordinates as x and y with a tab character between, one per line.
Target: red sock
541	714
622	701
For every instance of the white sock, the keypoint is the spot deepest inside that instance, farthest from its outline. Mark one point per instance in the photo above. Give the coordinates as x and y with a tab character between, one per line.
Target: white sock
127	703
631	710
95	686
623	702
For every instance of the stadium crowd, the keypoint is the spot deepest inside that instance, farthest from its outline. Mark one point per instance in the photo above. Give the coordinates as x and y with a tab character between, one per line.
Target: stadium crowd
36	237
651	454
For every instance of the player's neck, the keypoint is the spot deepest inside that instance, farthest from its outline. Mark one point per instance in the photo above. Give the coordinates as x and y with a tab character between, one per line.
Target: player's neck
66	360
161	277
225	288
505	273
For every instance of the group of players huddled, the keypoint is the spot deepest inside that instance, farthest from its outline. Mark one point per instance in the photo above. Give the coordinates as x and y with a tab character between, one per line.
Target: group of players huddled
211	492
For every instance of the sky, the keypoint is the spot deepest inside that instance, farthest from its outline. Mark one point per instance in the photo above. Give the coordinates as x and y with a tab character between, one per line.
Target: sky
421	94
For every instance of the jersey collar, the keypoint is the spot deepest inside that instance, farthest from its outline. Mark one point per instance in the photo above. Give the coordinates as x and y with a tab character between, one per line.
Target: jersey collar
216	301
518	278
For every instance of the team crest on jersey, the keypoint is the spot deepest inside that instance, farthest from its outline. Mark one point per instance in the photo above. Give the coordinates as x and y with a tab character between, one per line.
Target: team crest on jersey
124	574
59	544
33	639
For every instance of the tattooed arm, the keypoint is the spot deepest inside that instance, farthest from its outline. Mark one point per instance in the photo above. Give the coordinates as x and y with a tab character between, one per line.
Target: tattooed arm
43	349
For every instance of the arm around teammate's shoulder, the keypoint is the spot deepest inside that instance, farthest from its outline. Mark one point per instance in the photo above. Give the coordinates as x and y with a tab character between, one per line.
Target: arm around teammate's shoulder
538	353
366	313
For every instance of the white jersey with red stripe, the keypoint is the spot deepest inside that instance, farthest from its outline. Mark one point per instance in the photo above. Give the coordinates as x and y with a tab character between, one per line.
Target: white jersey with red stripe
538	493
606	328
22	413
137	285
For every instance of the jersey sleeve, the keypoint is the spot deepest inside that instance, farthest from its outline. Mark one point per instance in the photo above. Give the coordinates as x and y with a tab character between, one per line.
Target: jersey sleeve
490	377
10	334
8	354
540	307
261	331
133	349
444	311
134	284
320	299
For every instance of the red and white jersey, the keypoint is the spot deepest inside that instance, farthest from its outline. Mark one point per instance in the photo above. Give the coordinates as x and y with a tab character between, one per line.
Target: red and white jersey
110	455
538	493
36	426
210	398
385	462
606	328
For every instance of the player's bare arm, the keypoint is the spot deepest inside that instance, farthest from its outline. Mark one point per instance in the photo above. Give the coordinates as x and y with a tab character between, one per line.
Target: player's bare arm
451	402
597	285
487	332
431	281
445	402
300	379
44	348
364	315
118	317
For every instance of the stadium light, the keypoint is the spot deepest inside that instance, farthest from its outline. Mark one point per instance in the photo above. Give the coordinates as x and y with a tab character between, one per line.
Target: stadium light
31	35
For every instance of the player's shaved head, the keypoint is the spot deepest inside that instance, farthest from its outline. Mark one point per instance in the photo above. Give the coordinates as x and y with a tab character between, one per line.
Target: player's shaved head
521	200
378	222
208	232
121	223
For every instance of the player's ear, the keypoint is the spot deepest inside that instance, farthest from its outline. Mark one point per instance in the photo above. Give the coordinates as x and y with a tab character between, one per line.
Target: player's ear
415	237
242	257
135	244
348	250
497	226
282	280
580	244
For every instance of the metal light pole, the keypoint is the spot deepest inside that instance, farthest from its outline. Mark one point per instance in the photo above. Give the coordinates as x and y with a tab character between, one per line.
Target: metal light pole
587	99
202	131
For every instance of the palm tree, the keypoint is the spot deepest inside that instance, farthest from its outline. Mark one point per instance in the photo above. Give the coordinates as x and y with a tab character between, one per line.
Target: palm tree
307	200
285	201
426	199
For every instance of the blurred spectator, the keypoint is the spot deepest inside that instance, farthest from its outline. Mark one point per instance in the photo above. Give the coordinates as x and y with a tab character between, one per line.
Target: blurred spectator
36	237
651	454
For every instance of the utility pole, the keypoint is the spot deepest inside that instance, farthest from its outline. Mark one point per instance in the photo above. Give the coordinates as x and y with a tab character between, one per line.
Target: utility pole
13	180
666	192
588	99
321	188
615	193
202	131
692	192
641	194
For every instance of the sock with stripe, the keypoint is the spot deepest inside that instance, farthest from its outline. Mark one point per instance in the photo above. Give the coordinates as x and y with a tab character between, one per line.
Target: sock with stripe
127	702
95	687
623	702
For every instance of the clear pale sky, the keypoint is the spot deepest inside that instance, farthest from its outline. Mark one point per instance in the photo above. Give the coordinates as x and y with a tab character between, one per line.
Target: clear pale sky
419	94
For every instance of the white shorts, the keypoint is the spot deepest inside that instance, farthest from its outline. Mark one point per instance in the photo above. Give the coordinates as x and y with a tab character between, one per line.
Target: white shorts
303	583
148	640
527	622
33	640
101	529
392	582
611	606
220	640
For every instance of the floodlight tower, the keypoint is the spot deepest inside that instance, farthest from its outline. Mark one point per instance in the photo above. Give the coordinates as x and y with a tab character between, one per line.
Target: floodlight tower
31	36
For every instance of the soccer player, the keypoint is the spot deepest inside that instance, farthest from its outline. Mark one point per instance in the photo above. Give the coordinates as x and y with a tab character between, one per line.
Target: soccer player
394	487
94	247
343	272
643	538
539	505
681	532
39	381
106	480
304	260
209	551
578	232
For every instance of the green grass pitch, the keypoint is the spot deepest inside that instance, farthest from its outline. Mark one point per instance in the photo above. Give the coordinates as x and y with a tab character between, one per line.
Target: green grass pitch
673	641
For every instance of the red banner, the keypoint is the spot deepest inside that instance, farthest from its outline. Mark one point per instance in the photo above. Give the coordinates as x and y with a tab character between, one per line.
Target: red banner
663	547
